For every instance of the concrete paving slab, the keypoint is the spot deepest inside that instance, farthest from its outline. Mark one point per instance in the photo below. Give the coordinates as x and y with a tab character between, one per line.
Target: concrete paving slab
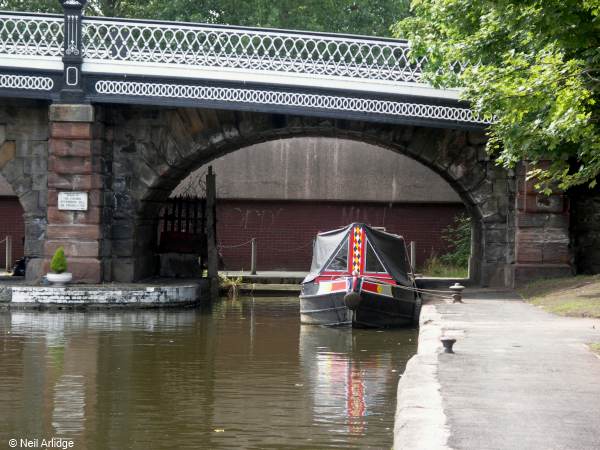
520	378
420	422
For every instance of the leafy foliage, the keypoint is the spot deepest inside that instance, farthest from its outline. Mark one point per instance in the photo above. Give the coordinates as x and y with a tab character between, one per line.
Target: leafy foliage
455	262
125	8
58	264
458	237
43	6
533	66
231	285
369	17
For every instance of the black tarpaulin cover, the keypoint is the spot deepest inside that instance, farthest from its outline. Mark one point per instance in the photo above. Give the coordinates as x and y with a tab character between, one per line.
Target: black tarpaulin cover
389	248
392	251
324	248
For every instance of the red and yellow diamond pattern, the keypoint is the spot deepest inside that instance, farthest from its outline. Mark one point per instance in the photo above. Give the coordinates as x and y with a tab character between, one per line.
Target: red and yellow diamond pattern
356	250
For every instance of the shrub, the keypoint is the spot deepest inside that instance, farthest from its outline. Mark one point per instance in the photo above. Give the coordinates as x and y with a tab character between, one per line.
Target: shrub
230	284
458	236
58	264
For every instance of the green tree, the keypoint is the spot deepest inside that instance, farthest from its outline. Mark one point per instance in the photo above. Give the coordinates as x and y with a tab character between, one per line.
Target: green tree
531	66
125	8
43	6
367	17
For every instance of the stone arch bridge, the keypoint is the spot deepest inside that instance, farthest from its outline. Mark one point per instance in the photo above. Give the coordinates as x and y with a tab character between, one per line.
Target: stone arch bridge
124	110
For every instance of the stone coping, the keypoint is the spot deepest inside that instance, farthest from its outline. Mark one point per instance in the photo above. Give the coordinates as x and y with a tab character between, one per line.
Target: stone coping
155	293
420	422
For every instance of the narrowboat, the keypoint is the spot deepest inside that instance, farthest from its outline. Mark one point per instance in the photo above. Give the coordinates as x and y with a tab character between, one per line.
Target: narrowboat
360	276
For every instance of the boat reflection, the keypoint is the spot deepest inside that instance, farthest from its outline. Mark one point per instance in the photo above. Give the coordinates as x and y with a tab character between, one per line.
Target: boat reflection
350	374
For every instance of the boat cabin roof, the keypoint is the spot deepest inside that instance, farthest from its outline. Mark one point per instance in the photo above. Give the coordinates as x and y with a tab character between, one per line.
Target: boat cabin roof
360	250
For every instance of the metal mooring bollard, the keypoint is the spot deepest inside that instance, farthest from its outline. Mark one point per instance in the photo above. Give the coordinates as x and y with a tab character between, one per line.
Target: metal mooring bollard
448	343
457	289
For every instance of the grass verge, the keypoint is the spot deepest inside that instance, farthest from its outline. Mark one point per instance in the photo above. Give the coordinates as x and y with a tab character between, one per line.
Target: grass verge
595	348
573	296
434	267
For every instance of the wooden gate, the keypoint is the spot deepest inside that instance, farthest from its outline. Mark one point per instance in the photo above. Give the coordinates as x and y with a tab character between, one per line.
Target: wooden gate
182	225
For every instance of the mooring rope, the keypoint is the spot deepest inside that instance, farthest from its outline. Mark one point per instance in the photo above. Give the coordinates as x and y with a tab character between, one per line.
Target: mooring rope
234	246
291	249
431	292
287	250
425	291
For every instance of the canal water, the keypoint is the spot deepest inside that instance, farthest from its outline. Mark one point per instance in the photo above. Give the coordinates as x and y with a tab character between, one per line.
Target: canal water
239	374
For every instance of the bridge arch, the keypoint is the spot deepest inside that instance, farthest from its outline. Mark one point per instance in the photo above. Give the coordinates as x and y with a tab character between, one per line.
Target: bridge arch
154	149
125	159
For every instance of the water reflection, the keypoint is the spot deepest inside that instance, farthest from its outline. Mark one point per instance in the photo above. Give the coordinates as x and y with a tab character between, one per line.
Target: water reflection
242	374
353	375
69	405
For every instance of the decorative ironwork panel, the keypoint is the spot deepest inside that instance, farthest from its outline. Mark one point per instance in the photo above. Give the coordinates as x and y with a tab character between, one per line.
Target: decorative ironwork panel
250	49
285	98
10	81
39	35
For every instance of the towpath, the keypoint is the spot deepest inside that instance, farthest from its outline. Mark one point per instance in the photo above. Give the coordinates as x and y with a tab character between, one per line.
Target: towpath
520	378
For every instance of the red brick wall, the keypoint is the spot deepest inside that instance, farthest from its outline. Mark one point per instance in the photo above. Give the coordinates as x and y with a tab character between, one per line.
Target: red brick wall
285	229
11	223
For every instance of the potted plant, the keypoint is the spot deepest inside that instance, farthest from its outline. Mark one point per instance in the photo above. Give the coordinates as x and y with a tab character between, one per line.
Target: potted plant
58	266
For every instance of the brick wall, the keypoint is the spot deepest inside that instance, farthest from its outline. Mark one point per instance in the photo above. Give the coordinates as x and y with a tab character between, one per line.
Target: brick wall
11	223
284	229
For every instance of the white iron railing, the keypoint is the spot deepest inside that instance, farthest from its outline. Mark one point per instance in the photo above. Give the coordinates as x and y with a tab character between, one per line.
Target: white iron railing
247	48
291	69
31	35
194	45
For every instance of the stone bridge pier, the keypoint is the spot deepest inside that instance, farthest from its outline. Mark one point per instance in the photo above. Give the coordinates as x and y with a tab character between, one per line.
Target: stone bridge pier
127	159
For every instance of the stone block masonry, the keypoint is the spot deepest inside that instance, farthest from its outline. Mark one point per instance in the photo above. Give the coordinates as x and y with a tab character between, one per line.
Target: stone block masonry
128	159
153	150
76	163
542	232
109	295
5	293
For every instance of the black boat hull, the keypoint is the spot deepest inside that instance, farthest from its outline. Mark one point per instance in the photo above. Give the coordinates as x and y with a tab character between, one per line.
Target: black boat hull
361	310
329	309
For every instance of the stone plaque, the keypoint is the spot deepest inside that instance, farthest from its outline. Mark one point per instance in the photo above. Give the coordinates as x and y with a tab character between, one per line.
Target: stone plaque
73	201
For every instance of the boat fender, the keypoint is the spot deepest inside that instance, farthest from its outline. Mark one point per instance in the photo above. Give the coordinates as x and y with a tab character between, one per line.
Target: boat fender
352	300
356	284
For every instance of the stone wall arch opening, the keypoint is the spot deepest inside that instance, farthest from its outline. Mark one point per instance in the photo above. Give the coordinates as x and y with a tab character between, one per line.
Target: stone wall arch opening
12	227
153	150
282	192
23	180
